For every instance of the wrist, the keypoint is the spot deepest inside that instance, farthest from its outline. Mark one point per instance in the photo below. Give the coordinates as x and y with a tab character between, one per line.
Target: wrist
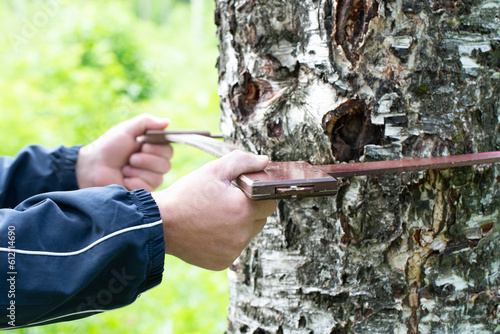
165	214
83	170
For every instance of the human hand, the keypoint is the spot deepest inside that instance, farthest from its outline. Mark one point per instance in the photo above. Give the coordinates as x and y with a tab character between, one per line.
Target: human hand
118	158
206	220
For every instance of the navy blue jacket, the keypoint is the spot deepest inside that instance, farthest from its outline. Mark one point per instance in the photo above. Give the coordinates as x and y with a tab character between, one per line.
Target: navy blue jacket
67	253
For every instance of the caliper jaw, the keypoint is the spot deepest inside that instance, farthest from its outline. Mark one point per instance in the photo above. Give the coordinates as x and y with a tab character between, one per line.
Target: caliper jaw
291	179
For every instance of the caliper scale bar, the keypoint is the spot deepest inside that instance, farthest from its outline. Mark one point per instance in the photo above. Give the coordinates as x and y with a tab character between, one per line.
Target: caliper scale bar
298	179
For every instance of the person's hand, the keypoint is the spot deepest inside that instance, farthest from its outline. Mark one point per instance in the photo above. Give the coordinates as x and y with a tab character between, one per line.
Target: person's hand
118	158
206	220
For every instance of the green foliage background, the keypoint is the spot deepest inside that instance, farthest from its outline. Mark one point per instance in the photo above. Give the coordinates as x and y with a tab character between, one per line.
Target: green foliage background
72	69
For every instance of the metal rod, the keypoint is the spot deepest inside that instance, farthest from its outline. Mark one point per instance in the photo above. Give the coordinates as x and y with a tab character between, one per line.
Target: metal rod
407	165
158	136
202	142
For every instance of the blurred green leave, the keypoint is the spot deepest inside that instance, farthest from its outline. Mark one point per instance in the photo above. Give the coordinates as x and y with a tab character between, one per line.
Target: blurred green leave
71	70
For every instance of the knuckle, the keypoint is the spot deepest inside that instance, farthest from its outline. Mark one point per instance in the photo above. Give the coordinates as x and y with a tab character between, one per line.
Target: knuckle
130	184
240	241
238	154
242	203
139	120
170	152
148	148
243	217
166	166
269	207
158	180
135	160
143	116
221	266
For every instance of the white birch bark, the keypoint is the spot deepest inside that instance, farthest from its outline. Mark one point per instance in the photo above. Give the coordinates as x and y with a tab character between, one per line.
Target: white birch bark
335	81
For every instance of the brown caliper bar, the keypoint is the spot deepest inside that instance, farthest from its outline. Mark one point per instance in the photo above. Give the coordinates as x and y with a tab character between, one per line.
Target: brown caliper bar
298	179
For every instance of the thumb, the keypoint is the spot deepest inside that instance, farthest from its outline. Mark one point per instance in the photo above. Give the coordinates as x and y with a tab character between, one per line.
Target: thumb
238	162
138	125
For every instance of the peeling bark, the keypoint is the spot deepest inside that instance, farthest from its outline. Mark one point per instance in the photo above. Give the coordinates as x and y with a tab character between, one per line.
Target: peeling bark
334	81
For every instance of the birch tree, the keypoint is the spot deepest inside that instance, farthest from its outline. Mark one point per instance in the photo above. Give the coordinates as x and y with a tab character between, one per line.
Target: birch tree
363	80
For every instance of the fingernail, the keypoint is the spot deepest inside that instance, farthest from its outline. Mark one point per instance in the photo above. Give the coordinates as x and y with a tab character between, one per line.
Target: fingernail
263	158
165	120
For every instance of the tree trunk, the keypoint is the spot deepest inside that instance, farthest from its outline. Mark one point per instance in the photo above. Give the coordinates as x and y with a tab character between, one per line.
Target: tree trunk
362	80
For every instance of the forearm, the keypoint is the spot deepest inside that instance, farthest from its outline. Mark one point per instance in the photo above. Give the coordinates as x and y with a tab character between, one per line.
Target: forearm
36	170
79	253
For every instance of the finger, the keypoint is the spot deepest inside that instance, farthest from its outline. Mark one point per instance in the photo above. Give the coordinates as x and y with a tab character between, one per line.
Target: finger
151	178
260	223
137	183
251	209
150	162
138	125
258	226
165	151
238	162
264	209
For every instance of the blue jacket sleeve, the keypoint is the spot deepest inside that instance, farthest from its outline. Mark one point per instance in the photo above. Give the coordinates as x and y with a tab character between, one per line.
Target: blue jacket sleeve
36	170
68	255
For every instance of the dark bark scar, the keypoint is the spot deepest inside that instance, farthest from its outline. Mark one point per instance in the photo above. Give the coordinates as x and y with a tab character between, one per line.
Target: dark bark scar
351	24
350	129
245	95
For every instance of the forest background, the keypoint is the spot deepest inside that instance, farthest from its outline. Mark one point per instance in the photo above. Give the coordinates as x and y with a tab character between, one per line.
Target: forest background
70	70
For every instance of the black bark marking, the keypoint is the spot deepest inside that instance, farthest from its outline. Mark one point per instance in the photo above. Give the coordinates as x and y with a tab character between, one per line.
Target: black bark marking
351	24
244	266
291	233
326	301
459	245
350	129
256	268
413	7
275	129
302	322
329	26
401	121
361	314
247	274
347	237
340	330
271	65
457	7
489	58
448	5
486	228
436	146
253	35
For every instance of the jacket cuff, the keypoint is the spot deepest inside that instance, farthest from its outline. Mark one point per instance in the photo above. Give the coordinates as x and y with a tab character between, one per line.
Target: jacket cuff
64	165
156	242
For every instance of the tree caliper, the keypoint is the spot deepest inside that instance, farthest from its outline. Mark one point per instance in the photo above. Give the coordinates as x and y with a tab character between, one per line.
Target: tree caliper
298	179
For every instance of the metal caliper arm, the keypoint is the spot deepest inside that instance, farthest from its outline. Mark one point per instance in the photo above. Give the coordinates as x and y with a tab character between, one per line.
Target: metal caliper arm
300	179
278	180
409	165
202	140
297	179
